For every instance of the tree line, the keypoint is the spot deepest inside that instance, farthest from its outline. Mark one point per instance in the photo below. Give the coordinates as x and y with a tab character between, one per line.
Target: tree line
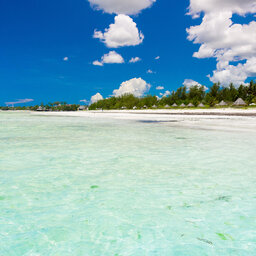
183	95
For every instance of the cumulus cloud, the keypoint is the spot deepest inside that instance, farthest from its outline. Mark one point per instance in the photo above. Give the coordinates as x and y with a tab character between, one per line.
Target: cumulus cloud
110	58
136	86
20	101
157	57
65	58
149	71
123	32
95	98
134	60
219	37
128	7
165	94
191	83
159	88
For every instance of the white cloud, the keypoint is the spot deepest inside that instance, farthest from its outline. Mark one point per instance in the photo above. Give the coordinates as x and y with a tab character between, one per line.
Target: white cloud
128	7
165	94
65	58
134	60
95	98
159	88
225	40
136	86
110	58
97	63
149	71
20	101
84	101
123	32
191	83
157	57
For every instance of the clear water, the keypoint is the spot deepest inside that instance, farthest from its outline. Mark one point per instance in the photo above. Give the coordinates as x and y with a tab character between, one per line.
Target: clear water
80	186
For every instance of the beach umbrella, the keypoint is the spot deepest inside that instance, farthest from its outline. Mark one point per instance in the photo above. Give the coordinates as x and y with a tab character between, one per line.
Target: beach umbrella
201	105
239	102
154	106
167	106
174	105
182	105
190	105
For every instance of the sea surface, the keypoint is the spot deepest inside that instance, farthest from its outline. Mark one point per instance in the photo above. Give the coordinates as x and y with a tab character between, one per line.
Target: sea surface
100	187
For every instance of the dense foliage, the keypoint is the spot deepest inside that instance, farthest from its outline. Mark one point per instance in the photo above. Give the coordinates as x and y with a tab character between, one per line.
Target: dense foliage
194	95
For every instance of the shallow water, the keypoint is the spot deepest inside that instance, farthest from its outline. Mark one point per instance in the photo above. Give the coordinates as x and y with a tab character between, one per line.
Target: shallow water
83	186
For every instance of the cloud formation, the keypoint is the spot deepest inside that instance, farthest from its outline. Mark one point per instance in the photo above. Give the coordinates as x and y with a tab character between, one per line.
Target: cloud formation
110	58
134	60
123	32
95	98
225	40
191	83
136	86
20	101
129	7
159	88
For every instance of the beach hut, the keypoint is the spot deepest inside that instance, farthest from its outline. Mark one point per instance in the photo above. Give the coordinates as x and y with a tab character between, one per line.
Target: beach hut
154	106
145	106
40	109
222	104
190	105
81	108
167	106
252	104
201	105
134	108
239	102
182	105
174	105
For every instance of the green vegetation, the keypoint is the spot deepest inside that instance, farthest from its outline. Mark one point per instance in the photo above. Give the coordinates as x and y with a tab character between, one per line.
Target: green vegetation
182	97
194	95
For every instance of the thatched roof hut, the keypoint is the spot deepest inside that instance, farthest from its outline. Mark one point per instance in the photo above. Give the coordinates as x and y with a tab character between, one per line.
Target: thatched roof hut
145	106
201	105
81	108
182	105
222	104
154	106
174	105
239	102
167	106
190	105
134	107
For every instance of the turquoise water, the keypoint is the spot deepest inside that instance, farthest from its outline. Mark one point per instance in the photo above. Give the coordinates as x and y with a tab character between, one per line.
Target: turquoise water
81	186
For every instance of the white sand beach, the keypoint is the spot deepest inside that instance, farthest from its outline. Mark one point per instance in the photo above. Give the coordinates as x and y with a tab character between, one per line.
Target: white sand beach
217	119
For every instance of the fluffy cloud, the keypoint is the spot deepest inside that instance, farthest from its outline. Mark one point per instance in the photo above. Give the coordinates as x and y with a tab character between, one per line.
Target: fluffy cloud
191	83
136	86
235	6
123	32
224	40
165	94
20	101
96	98
128	7
159	88
65	58
110	58
134	60
157	57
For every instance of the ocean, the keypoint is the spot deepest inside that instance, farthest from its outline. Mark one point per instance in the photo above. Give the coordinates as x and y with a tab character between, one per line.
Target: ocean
106	187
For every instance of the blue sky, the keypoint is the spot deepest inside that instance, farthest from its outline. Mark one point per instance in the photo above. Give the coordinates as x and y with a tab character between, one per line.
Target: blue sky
37	35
